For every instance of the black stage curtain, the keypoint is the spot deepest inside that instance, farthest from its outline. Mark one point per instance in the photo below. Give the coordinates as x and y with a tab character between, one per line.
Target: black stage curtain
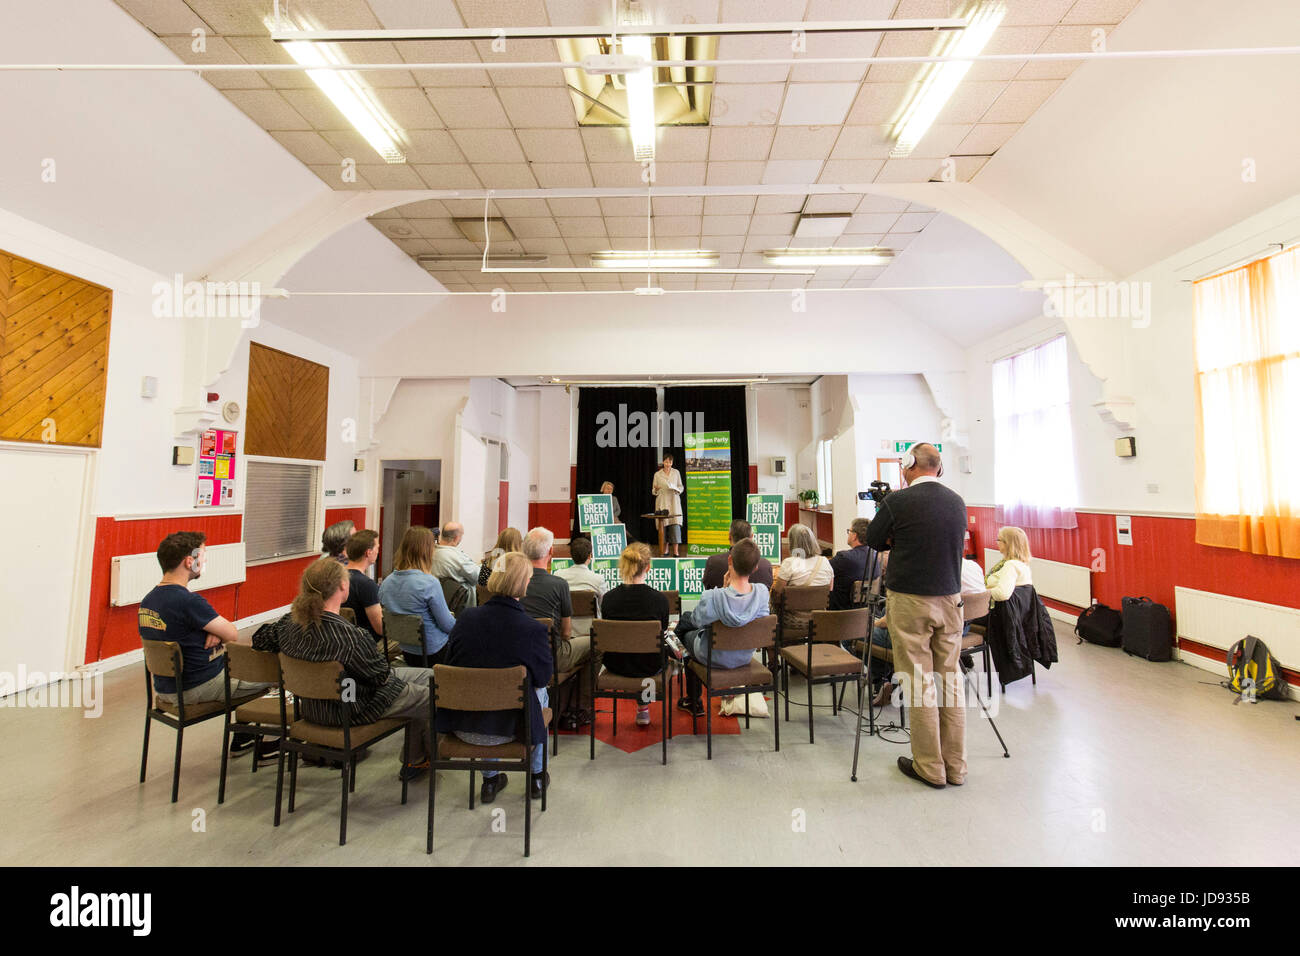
717	408
631	469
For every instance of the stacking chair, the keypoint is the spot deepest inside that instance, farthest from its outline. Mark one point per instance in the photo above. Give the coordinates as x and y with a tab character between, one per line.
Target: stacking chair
628	637
484	689
260	716
674	601
821	659
813	597
751	678
163	659
323	680
558	679
975	606
584	604
482	595
405	629
348	615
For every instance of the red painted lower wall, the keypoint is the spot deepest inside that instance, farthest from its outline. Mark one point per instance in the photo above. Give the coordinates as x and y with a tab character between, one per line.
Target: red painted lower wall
791	514
113	630
555	516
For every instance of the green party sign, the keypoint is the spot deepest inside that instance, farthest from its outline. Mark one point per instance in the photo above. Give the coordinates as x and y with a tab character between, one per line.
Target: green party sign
708	491
765	509
608	540
663	574
690	577
559	563
607	568
768	537
595	510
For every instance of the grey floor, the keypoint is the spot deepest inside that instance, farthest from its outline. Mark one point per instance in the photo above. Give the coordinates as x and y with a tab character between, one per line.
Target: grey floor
1113	761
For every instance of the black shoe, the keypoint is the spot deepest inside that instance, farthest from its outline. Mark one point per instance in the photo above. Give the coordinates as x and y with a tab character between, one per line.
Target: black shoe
585	717
691	706
905	765
491	787
241	743
967	661
540	783
267	751
569	720
412	771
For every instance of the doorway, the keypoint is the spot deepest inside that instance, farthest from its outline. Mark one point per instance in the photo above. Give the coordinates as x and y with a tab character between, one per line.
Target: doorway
412	496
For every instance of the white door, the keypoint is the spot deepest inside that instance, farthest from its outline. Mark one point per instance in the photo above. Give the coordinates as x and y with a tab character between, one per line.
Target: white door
45	491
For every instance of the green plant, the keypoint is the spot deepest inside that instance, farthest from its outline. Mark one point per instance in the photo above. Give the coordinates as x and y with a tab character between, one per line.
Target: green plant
809	497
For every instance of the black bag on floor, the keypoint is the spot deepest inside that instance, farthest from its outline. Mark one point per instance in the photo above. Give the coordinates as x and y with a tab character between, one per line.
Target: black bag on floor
1148	630
1100	624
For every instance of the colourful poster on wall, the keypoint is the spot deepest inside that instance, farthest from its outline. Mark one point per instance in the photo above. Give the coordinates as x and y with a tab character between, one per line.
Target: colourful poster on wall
216	473
608	540
595	510
607	568
663	574
690	577
708	491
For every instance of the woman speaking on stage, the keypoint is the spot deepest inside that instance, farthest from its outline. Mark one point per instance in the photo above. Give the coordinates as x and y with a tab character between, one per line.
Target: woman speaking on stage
667	489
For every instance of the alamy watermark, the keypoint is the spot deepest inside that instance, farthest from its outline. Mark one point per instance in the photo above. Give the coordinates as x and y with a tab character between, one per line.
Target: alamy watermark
1084	299
638	429
53	689
213	300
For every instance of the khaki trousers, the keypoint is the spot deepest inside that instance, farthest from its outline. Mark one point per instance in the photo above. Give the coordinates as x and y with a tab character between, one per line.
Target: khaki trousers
926	634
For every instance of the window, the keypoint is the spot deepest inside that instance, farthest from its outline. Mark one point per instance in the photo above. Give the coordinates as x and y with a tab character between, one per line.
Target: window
1248	393
281	510
1033	444
824	471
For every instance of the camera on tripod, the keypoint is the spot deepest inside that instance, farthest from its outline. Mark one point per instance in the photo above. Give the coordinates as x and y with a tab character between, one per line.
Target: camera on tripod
878	491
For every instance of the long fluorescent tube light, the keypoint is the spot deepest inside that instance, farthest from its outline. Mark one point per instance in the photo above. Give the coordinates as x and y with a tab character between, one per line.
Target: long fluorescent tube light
650	261
641	98
347	92
828	257
941	79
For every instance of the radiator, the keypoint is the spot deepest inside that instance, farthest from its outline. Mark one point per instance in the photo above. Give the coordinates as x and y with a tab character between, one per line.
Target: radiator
134	575
1220	621
1067	583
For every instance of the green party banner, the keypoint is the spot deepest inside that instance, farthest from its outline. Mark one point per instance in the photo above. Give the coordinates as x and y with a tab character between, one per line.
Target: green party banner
558	563
690	577
765	509
608	540
768	537
708	491
607	568
595	510
663	574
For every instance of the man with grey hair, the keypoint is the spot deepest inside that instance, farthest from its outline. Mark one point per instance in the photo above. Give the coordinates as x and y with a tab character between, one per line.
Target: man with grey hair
335	538
548	596
450	563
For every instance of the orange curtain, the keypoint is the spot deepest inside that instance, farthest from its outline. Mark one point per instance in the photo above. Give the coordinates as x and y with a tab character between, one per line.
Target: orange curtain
1248	407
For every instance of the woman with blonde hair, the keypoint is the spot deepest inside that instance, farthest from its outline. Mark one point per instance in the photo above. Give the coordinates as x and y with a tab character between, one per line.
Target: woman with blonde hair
500	633
634	600
316	632
508	540
806	567
411	588
1013	570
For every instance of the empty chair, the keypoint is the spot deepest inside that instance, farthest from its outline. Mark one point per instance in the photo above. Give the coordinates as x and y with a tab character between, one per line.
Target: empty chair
402	629
821	659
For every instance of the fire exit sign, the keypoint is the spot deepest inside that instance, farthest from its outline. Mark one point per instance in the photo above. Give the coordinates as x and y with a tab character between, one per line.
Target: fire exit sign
902	446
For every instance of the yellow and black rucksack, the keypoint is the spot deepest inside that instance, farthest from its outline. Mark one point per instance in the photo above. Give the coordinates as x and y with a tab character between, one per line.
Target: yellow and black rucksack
1254	672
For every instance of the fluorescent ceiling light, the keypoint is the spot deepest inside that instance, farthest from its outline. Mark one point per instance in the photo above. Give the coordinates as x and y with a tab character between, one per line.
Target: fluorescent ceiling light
640	85
349	94
436	258
659	259
822	224
875	256
940	80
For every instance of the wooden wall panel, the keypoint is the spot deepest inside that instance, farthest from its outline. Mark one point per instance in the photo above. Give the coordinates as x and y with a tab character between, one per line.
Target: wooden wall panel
288	405
53	354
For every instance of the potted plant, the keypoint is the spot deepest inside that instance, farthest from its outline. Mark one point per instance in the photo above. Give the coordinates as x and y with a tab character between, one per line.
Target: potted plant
809	498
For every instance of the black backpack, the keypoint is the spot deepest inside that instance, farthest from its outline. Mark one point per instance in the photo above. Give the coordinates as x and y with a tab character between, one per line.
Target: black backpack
1100	624
1148	630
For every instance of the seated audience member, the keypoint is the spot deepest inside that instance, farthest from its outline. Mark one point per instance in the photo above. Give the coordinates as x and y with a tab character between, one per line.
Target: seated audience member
737	602
363	593
548	596
316	632
608	489
500	633
172	612
335	539
412	589
634	600
507	541
580	577
715	568
972	577
1013	570
851	567
451	563
806	567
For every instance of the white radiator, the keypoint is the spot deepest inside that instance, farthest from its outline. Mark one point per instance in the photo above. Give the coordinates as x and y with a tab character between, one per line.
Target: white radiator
1067	583
134	575
1220	621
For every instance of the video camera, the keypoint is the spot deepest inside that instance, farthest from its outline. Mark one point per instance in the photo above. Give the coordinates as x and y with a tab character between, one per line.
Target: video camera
877	493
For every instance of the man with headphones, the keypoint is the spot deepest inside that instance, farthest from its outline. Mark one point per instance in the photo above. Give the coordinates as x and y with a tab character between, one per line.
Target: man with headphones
923	526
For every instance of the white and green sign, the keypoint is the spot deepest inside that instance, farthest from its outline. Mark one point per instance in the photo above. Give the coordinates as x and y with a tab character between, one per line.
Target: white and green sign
607	568
690	577
765	509
662	575
902	446
708	491
768	537
558	563
594	510
608	540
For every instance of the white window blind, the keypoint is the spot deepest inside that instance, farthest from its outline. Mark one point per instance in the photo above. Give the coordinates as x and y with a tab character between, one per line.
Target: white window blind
281	509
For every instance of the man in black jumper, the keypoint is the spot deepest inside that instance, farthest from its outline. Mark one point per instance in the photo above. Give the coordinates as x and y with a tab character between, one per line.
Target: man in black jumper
923	526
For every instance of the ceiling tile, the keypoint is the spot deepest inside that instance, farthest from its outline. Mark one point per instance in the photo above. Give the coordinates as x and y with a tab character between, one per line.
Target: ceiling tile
803	142
447	176
987	138
672	226
228	16
585	246
621	206
488	145
390	176
1034	12
725	225
772	205
970	102
332	176
728	205
260	48
510	208
903	44
870	222
862	142
538	107
678	174
913	221
750	11
551	145
1019	101
432	146
464	208
315	107
606	144
166	16
753	48
575	226
734	174
634	225
443	51
830	45
737	104
1008	39
682	144
502	13
378	52
520	50
534	228
844	171
505	175
574	207
775	224
968	166
1063	39
1099	11
268	109
940	141
424	209
877	104
740	143
872	203
555	175
430	228
468	108
309	147
678	205
779	171
408	108
908	171
613	175
723	243
817	104
830	202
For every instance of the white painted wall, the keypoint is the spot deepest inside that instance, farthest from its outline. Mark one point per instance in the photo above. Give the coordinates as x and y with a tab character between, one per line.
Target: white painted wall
783	426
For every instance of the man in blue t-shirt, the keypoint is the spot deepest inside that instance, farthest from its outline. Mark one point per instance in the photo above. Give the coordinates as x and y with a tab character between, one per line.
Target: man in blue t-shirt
172	612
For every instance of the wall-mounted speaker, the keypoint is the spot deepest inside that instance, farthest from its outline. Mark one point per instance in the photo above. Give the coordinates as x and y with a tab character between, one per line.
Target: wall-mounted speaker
1126	447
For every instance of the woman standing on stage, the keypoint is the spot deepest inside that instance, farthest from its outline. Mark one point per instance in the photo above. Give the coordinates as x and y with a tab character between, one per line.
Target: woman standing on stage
667	489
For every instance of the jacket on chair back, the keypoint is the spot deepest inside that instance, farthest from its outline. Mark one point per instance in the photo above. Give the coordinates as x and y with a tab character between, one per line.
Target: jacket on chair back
1020	631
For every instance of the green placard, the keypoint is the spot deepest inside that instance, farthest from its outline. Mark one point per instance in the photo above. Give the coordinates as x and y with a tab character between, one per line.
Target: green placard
708	491
595	510
607	568
558	563
690	577
768	537
765	509
608	540
663	574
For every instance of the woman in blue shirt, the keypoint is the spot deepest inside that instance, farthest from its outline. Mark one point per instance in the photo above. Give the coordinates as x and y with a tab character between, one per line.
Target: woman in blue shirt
411	589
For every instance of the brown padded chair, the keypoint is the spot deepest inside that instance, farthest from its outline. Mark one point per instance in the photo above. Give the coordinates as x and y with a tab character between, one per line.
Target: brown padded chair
163	659
812	597
482	595
260	716
405	629
751	678
976	605
674	601
323	680
558	679
481	689
628	637
584	602
821	659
